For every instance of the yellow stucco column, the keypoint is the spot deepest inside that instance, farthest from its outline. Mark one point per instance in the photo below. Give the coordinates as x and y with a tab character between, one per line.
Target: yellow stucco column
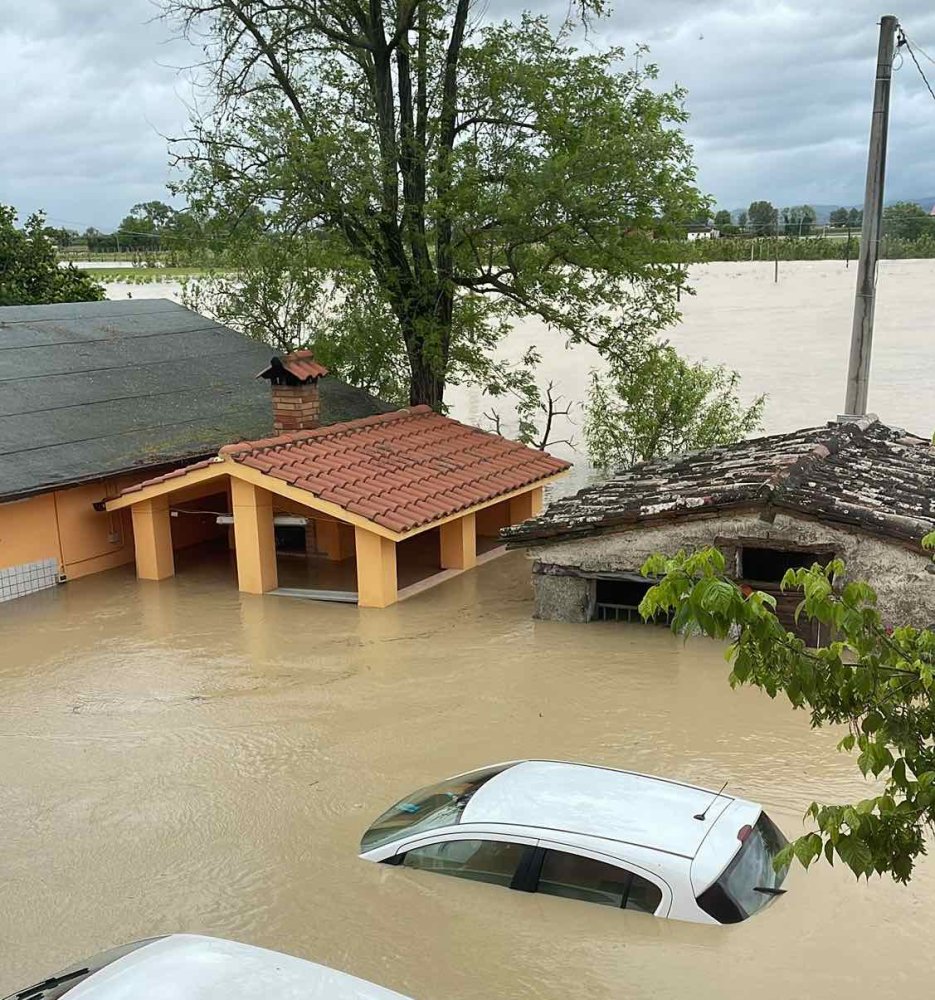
459	543
526	505
335	540
376	569
152	539
254	537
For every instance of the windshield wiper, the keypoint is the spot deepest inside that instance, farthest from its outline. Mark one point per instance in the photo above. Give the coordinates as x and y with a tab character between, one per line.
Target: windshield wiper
769	890
35	992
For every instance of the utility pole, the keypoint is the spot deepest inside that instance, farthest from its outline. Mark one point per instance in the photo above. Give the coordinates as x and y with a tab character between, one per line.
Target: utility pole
858	373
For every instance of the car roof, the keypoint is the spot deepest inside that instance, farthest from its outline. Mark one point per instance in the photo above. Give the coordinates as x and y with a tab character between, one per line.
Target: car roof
584	799
192	967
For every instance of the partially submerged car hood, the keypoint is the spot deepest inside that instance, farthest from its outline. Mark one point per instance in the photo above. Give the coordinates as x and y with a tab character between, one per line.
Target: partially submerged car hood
190	967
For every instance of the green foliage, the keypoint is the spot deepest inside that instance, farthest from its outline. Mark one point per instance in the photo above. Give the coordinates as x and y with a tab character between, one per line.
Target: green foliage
655	403
905	220
798	220
722	219
838	217
458	173
876	681
762	218
768	248
30	273
806	248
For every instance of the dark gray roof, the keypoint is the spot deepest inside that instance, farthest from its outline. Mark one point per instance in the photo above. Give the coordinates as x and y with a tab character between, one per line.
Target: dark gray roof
90	389
864	474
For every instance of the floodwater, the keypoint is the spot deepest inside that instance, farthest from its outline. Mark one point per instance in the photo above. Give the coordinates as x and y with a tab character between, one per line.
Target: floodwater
789	339
181	757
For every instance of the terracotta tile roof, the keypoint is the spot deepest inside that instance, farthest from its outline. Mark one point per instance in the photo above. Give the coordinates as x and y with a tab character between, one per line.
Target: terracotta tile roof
174	474
301	364
402	470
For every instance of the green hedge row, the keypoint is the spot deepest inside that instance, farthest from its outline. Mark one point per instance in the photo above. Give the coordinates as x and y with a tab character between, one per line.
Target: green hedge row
804	248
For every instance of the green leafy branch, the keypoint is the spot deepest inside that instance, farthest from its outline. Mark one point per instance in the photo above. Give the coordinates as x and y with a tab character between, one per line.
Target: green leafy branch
875	680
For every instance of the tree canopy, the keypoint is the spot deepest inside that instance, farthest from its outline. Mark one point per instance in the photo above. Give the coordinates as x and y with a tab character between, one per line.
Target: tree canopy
875	680
655	403
798	220
448	173
30	273
907	220
762	218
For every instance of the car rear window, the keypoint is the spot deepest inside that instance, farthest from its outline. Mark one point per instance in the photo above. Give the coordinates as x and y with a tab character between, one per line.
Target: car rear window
429	808
751	880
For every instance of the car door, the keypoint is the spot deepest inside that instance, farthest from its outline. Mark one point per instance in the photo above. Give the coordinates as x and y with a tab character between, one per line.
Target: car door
579	873
482	857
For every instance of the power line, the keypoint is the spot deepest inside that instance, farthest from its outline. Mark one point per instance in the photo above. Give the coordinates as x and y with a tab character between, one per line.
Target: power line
903	40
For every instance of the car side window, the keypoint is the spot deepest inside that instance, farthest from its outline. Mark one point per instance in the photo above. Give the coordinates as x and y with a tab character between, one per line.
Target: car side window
576	877
483	860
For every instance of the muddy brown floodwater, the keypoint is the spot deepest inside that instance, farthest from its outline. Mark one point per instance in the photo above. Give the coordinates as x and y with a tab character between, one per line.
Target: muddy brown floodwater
179	756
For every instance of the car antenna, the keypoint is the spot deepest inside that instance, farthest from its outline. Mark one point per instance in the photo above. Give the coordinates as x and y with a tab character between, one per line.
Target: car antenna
704	813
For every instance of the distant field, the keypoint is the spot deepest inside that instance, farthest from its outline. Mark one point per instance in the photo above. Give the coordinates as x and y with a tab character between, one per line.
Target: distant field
142	275
82	253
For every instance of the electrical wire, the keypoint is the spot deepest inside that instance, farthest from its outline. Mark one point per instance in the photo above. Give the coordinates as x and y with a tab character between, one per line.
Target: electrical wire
903	40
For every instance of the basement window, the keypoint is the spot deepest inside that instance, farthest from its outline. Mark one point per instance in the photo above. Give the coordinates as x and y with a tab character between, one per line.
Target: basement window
617	599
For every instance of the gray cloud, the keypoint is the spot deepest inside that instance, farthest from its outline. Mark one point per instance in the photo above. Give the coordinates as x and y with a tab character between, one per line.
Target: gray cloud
779	94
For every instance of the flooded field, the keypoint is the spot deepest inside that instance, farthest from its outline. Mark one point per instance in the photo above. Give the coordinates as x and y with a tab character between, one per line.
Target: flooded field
179	756
789	340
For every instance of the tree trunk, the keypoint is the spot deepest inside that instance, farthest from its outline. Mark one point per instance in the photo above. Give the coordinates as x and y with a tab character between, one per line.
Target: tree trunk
426	386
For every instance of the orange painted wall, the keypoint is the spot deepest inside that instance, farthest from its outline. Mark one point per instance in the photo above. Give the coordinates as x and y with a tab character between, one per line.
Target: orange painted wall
193	528
64	525
28	531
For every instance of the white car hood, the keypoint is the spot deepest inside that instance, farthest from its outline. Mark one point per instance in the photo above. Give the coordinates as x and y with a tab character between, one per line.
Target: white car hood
190	967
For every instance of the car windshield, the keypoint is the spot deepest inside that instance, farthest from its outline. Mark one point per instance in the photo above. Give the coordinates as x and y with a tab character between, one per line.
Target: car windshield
751	880
427	809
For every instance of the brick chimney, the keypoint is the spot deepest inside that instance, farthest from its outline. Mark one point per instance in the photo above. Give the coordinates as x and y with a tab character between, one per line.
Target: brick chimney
293	380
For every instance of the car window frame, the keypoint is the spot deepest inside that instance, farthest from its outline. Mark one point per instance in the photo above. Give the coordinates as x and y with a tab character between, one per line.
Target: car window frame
528	843
665	904
431	837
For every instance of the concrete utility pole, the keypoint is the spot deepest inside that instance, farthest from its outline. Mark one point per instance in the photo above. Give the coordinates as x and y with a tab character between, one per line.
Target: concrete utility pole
858	374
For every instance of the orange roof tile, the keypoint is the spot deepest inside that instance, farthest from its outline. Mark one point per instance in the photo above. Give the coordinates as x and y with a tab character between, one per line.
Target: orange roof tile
303	365
402	470
300	364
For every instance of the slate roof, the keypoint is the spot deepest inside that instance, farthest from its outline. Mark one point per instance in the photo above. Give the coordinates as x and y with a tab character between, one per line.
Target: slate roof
864	475
91	389
402	470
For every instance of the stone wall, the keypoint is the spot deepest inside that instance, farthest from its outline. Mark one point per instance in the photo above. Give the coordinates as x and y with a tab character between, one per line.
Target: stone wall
904	580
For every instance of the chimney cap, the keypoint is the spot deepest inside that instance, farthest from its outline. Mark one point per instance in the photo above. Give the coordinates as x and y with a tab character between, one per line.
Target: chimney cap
294	369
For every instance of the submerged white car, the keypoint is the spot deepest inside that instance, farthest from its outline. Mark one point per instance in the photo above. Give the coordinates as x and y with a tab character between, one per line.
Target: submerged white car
591	833
191	967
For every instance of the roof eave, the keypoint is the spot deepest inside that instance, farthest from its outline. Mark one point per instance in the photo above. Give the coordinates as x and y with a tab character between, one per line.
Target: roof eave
909	535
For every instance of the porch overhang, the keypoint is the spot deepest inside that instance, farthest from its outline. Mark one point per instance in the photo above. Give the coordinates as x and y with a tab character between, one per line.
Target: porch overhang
218	468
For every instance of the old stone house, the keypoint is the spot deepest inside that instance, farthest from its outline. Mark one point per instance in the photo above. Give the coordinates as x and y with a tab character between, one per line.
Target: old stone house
860	491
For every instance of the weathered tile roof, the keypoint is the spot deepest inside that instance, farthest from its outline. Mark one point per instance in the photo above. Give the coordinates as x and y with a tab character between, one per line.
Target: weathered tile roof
402	470
91	389
864	474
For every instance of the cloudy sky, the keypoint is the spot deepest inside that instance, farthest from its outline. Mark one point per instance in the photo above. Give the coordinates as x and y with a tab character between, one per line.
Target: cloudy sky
779	93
